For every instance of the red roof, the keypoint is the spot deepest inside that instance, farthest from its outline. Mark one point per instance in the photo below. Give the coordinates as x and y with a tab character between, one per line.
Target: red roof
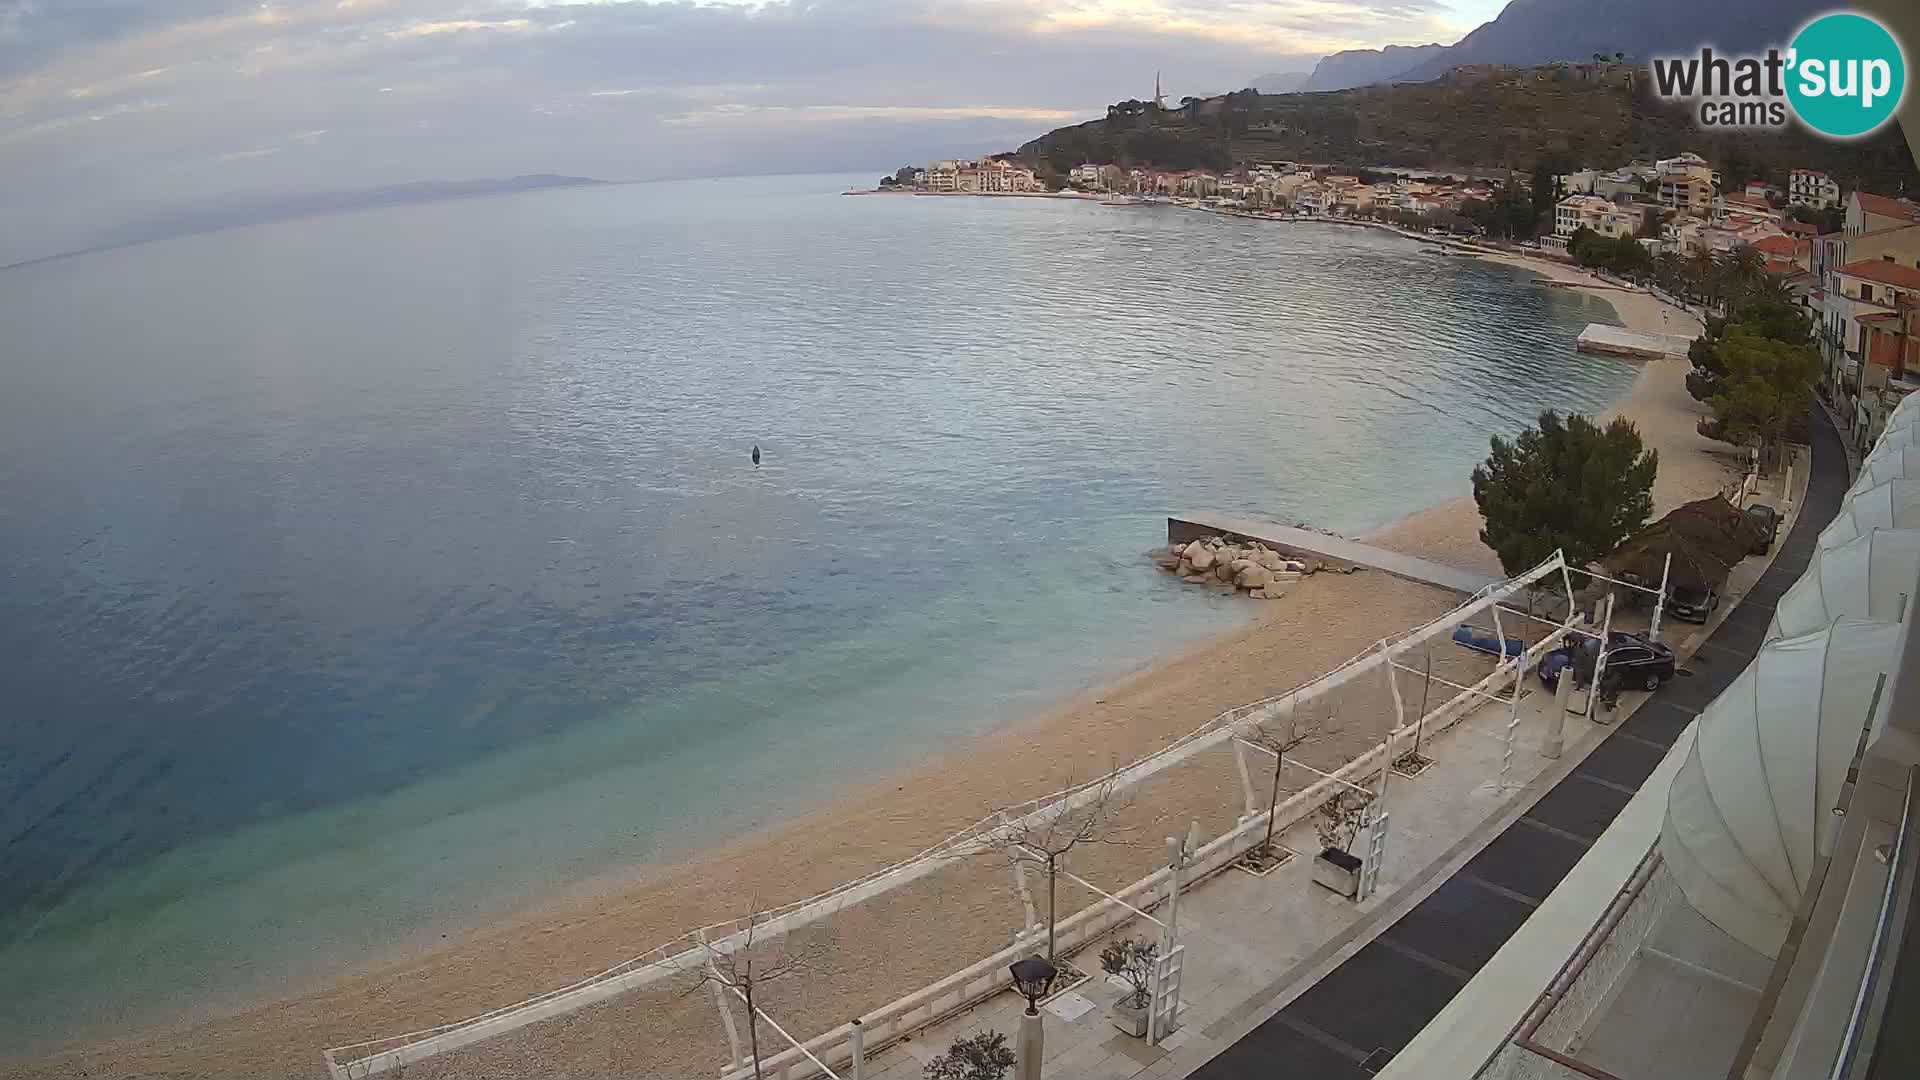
1887	273
1886	207
1777	245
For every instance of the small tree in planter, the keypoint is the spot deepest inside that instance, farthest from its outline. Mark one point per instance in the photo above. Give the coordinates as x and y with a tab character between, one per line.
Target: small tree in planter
1277	737
1043	838
1339	824
983	1056
1413	762
1133	961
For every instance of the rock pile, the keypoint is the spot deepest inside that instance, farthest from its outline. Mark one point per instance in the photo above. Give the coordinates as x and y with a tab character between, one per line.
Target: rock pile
1247	564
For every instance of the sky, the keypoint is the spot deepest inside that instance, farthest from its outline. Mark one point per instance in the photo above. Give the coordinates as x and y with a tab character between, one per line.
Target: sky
112	111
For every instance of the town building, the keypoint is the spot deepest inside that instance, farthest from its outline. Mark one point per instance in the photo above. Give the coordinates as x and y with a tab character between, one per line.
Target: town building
1868	301
1811	187
1578	212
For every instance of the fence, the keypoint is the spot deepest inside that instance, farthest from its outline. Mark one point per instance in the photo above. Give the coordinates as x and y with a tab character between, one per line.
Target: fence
988	976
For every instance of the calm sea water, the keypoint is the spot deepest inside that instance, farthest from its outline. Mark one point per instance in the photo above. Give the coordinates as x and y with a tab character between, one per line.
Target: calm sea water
366	573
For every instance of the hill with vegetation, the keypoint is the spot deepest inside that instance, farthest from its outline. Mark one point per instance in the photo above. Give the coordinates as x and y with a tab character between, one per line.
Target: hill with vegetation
1558	118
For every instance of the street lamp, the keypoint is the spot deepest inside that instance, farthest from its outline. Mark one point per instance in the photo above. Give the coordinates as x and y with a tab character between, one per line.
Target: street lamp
1032	977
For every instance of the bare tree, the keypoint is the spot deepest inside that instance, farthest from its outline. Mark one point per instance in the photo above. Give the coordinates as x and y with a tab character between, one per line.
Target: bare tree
740	967
1043	837
1412	762
1278	737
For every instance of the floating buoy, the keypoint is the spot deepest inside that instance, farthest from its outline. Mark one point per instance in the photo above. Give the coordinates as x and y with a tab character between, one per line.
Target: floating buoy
756	453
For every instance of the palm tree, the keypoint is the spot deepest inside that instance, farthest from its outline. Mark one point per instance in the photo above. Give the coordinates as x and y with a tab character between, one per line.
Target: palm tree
1700	277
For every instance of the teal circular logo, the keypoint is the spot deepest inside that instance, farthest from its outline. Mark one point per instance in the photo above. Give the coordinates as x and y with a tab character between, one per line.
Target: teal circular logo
1846	75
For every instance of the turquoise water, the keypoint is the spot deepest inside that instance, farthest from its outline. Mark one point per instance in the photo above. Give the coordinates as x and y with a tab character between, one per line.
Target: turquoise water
365	574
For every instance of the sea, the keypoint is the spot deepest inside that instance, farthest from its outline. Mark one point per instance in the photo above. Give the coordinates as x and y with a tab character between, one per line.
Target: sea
373	573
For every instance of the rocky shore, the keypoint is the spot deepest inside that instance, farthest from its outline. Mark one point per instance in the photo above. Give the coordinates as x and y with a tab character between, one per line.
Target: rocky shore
1248	565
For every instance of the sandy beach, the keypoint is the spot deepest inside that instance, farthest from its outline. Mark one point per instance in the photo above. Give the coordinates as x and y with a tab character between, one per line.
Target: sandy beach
948	919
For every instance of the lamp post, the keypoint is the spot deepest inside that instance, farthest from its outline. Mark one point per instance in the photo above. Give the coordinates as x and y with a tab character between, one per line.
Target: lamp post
1032	977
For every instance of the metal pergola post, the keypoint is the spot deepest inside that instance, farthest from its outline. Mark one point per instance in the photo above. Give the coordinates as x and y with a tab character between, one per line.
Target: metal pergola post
1600	662
1660	600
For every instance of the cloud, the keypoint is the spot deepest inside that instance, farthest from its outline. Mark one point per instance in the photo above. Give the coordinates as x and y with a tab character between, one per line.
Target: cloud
459	26
829	114
625	89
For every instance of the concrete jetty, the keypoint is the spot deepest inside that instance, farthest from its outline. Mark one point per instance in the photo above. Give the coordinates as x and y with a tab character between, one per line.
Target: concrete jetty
1615	341
1305	543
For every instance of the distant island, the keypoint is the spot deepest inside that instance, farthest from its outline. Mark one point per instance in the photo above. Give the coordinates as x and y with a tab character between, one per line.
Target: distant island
267	209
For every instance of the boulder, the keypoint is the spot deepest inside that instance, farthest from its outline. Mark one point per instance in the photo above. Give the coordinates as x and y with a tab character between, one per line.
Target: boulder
1252	575
1270	559
1197	579
1223	571
1294	566
1202	559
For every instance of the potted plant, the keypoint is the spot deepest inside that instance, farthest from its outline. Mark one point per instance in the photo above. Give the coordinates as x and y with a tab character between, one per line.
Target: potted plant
1338	824
982	1056
1132	961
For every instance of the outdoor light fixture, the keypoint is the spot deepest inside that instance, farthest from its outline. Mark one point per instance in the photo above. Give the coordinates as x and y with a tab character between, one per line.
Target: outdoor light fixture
1032	977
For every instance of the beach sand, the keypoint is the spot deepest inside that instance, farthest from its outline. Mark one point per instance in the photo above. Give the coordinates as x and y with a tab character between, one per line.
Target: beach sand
1691	465
941	923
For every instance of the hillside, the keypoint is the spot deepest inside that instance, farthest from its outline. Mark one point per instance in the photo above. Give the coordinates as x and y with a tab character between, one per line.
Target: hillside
1511	120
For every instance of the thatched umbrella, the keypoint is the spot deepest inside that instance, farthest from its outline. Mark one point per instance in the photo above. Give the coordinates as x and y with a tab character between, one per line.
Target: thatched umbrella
1706	537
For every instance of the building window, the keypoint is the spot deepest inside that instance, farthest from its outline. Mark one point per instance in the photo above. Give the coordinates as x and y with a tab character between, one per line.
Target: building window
1866	293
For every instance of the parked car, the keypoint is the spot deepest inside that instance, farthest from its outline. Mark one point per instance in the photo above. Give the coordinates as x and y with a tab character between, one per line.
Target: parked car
1632	661
1767	520
1690	604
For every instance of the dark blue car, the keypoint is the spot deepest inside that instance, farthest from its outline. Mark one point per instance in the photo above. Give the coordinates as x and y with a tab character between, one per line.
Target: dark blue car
1632	662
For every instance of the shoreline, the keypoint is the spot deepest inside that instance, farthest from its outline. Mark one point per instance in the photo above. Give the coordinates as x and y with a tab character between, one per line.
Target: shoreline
583	926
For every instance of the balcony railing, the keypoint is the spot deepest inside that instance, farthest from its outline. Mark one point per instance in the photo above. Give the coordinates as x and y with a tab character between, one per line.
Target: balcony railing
1871	1004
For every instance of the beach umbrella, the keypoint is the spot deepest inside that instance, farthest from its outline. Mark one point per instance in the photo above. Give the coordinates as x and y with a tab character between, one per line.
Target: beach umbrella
1706	538
1888	463
1870	577
1892	504
1751	808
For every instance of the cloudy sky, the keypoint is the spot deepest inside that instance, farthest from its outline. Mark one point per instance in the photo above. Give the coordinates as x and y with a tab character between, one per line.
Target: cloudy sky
111	110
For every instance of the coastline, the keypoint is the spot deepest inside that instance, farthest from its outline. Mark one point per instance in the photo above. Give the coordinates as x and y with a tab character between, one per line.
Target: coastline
591	926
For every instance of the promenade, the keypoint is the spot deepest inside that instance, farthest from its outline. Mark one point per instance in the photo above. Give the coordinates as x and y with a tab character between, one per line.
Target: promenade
1282	974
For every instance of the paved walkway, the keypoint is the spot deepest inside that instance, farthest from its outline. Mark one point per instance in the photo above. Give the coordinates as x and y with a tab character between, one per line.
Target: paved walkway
1349	1024
1307	543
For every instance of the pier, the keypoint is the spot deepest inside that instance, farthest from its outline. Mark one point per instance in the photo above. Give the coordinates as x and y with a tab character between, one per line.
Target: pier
1305	543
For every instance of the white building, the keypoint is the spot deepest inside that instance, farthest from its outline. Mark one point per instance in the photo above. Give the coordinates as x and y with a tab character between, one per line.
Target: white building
1811	187
1578	212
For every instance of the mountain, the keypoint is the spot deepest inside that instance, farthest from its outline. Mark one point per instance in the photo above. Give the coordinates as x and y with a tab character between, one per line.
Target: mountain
1541	31
1361	67
237	213
1280	82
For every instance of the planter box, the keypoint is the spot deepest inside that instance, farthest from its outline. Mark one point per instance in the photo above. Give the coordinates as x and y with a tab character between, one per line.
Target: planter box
1338	871
1128	1019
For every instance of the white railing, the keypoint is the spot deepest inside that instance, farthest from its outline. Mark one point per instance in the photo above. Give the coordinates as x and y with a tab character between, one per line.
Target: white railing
929	1005
689	952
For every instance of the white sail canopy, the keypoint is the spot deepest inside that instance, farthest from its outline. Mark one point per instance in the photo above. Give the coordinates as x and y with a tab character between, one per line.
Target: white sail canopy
1897	437
1891	463
1870	577
1906	413
1891	504
1752	807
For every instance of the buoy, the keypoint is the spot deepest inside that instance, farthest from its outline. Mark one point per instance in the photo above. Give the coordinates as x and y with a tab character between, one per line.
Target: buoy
756	453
